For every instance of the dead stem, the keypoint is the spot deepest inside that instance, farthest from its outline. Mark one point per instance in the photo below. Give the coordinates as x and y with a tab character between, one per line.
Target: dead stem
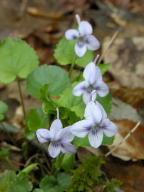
108	46
124	139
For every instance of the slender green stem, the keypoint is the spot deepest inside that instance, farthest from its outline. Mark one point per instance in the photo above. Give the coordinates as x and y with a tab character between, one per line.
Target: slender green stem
21	97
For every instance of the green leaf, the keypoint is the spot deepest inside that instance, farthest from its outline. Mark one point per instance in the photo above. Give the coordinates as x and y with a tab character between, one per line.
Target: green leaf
64	161
67	161
74	104
35	119
104	67
21	184
87	58
3	109
10	182
64	180
17	59
54	77
49	183
38	190
65	54
106	102
1	117
107	140
28	169
81	142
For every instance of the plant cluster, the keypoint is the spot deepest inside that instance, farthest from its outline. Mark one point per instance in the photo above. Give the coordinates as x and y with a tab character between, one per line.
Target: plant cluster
96	123
80	102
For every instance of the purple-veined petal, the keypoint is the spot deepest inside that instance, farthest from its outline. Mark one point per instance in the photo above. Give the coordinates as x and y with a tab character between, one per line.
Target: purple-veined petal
86	97
80	88
67	148
71	34
92	42
66	134
93	112
92	73
81	128
43	135
56	124
54	149
95	138
109	128
85	28
80	48
55	129
104	115
102	88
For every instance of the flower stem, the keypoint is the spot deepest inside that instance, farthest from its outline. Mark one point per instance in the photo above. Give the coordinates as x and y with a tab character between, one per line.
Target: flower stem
21	97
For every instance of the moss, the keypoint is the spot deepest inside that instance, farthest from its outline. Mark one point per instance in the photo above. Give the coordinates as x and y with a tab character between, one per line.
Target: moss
89	175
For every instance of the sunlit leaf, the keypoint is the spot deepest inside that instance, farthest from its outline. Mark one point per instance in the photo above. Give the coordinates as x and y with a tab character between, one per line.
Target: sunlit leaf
65	54
17	59
34	120
54	77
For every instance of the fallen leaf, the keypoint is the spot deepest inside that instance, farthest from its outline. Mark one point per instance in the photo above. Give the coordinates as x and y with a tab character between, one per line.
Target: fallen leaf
132	148
126	56
131	175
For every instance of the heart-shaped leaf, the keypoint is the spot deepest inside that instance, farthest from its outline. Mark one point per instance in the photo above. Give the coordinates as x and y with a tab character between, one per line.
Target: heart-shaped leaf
53	76
17	59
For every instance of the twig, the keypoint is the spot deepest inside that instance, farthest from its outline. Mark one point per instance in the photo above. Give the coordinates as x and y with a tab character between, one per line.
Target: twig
21	97
124	139
108	46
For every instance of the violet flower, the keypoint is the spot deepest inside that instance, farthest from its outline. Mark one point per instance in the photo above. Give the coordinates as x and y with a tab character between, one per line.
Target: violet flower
58	137
93	81
83	36
95	125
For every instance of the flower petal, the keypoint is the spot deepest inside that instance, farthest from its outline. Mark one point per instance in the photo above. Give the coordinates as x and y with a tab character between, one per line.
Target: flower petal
86	97
104	115
109	128
102	88
55	129
43	135
54	149
95	138
56	124
81	128
71	34
92	42
92	73
67	148
67	135
85	28
80	49
80	88
93	112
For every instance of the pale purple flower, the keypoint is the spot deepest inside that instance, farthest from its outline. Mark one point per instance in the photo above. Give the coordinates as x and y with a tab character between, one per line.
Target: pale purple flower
95	125
93	81
58	137
84	37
